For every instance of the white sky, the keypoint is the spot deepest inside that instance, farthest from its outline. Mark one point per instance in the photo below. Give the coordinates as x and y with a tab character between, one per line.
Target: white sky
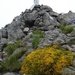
12	8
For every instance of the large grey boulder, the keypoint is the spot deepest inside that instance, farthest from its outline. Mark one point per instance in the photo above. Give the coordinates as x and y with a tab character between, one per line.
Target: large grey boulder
10	73
4	33
66	18
68	71
38	22
73	33
50	20
59	41
67	47
74	63
14	32
46	8
56	36
1	45
54	14
30	18
49	37
46	18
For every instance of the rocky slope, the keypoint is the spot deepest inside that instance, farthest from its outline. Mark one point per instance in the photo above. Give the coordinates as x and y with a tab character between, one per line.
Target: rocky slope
18	33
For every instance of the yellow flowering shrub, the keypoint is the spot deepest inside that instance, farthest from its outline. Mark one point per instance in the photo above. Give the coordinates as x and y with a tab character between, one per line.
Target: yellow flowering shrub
46	61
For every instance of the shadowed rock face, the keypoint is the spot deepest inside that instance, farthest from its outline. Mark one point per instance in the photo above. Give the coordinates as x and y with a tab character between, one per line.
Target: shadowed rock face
41	17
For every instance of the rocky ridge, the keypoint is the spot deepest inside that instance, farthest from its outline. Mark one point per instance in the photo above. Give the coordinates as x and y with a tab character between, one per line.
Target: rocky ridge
41	18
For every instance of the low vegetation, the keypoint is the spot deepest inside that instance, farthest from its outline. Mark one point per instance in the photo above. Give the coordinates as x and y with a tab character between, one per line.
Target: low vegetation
11	47
47	61
12	62
72	41
36	35
67	29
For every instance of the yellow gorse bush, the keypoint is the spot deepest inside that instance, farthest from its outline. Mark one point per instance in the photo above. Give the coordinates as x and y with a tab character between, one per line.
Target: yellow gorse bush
46	61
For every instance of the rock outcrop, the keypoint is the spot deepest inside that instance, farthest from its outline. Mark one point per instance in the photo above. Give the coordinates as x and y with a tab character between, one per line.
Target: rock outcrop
41	18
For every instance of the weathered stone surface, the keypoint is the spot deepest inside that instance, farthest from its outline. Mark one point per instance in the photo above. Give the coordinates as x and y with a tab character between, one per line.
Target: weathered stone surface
66	18
1	45
26	30
4	33
38	22
10	73
0	34
45	19
74	63
68	71
67	47
4	40
14	32
49	37
72	33
54	14
46	8
59	41
10	42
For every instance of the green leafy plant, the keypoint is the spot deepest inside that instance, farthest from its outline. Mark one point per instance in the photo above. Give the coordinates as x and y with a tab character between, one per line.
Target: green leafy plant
72	41
36	35
47	61
10	65
12	62
11	47
18	44
62	27
67	29
35	42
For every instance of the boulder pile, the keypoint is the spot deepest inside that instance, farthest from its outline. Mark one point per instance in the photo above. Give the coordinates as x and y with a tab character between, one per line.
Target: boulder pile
42	18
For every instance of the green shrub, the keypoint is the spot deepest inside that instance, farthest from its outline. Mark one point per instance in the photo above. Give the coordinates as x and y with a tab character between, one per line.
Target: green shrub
11	47
4	66
35	42
18	44
36	35
72	41
18	54
66	30
12	62
7	66
46	61
62	27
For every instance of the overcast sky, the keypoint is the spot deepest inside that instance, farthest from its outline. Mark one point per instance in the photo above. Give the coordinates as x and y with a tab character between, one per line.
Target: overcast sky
12	8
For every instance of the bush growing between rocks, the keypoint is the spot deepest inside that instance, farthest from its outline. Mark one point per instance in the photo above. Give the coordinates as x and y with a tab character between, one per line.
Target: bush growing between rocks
11	47
36	35
35	42
72	41
66	30
46	61
12	63
7	66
